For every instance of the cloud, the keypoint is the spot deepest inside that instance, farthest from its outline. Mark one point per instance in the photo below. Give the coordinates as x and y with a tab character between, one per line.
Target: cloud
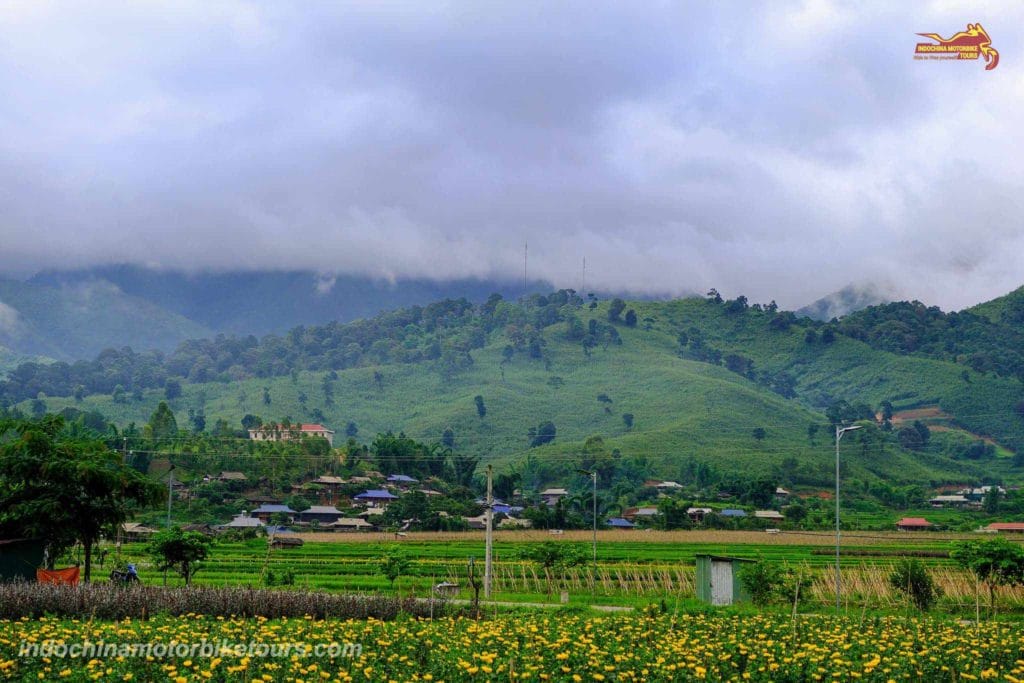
781	151
10	320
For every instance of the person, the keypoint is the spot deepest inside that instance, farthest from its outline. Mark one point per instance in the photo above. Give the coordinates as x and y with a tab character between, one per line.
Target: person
132	574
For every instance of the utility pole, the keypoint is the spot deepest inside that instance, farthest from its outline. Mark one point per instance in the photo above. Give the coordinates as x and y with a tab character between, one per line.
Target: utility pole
583	284
839	435
489	516
593	477
170	494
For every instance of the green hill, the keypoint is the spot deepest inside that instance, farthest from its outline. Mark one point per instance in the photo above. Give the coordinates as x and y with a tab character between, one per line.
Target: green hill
699	378
82	319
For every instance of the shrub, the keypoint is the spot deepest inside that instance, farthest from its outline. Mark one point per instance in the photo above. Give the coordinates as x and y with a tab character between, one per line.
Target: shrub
107	601
762	581
910	578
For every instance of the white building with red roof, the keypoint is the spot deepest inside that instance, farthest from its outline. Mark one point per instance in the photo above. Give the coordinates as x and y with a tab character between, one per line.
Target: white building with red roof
277	432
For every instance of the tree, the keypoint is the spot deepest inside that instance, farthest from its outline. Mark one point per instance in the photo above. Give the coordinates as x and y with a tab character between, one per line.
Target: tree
60	486
714	296
162	424
615	309
551	556
393	564
627	419
544	433
266	396
759	433
351	430
912	579
180	551
762	581
198	420
481	409
631	318
448	438
250	421
994	561
991	500
172	389
812	431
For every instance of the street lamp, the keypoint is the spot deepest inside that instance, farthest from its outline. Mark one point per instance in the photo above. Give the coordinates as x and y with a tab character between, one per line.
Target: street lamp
593	478
839	435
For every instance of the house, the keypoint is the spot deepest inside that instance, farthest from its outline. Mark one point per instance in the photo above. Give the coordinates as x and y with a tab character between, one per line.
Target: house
375	498
276	432
632	514
979	493
286	542
781	493
769	515
322	514
265	512
258	499
372	512
231	476
619	523
949	501
733	512
328	480
401	481
351	524
133	531
698	514
551	497
244	521
360	480
513	523
478	522
430	492
1006	527
913	524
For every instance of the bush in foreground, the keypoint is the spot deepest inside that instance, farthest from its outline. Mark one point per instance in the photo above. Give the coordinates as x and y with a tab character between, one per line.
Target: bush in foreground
105	601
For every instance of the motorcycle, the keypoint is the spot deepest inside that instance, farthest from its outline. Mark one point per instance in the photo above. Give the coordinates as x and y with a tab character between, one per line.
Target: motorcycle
126	576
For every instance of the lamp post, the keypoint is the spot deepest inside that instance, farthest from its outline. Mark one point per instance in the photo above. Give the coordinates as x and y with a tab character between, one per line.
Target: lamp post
839	435
593	478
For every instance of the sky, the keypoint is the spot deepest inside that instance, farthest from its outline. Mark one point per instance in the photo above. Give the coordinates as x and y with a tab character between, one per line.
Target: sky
780	150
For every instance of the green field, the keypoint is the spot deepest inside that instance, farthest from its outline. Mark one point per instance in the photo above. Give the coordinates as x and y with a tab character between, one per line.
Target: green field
634	567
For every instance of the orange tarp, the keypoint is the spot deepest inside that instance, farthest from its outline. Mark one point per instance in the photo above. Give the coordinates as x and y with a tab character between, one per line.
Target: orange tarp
67	576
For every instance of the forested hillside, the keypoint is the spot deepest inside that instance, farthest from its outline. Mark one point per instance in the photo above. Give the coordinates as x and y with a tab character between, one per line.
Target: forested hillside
684	384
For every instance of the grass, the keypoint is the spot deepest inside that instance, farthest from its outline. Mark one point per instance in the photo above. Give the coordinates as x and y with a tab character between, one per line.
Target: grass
684	410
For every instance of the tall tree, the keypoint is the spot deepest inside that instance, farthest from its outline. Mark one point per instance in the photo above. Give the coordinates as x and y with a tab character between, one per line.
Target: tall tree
65	488
162	423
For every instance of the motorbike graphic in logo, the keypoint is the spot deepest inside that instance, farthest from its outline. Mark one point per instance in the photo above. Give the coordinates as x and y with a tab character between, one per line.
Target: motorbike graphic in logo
963	45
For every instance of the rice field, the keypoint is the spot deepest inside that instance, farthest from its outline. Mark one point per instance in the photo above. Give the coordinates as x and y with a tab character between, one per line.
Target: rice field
633	568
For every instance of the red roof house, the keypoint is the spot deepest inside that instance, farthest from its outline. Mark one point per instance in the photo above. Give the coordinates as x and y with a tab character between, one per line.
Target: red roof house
913	524
1007	527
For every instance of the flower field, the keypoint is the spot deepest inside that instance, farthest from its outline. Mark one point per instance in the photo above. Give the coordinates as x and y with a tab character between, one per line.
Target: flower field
535	646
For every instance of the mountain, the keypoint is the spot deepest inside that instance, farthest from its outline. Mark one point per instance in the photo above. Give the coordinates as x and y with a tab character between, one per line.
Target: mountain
263	302
847	300
684	385
79	319
1007	309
